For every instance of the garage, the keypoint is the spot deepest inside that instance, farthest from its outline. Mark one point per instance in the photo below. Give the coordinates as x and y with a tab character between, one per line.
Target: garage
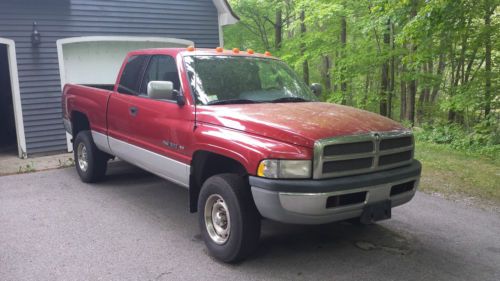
82	42
96	60
11	136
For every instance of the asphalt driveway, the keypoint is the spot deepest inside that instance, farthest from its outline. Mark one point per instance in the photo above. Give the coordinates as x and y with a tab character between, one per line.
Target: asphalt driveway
135	226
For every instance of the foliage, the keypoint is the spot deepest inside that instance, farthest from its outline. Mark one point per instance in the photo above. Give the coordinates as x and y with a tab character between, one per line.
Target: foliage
434	62
483	139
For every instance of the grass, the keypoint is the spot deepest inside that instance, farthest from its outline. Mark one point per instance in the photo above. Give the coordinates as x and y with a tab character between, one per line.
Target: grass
454	173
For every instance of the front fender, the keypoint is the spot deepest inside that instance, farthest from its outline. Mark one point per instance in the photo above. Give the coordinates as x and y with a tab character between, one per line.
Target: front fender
247	149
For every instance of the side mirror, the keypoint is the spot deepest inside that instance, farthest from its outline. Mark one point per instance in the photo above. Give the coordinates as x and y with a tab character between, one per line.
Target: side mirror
179	98
160	90
316	89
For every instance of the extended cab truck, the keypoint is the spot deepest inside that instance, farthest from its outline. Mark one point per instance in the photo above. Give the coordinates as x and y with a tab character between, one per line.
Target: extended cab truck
246	137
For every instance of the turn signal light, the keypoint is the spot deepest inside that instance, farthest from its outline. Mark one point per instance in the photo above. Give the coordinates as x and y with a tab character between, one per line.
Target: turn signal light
250	51
190	48
236	50
219	49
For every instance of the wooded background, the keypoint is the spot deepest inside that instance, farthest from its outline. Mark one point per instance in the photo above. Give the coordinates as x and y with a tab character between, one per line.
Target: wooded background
416	61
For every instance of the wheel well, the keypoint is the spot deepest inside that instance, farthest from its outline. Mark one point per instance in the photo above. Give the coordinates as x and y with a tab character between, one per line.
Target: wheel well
206	164
80	122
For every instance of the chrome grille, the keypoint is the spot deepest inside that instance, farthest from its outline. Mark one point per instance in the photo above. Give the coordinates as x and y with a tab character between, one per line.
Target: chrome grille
358	154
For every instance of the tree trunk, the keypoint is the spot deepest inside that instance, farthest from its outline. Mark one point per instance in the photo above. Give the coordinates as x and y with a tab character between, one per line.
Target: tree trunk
325	73
412	86
487	50
384	84
278	29
392	78
367	88
402	108
305	64
343	41
441	66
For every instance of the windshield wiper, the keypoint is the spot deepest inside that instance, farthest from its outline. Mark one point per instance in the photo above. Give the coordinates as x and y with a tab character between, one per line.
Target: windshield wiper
231	101
289	99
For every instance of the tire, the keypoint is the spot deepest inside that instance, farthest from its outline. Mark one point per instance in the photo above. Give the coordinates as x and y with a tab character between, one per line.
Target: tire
90	162
232	195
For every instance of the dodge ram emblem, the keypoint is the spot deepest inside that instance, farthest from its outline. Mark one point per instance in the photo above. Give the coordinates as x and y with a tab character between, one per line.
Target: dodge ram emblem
377	136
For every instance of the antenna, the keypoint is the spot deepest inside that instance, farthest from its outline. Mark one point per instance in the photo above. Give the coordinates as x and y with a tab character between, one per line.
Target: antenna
195	96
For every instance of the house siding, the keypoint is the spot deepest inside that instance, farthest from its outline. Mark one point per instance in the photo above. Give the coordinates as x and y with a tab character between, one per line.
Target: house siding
38	68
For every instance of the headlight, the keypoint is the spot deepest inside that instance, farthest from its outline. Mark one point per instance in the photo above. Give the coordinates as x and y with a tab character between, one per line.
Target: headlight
285	169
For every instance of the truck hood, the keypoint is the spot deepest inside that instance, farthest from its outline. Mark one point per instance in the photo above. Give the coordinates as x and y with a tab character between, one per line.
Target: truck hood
296	123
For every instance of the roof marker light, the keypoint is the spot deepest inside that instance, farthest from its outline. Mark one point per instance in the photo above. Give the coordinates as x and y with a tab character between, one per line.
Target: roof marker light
219	49
236	50
267	53
190	49
250	51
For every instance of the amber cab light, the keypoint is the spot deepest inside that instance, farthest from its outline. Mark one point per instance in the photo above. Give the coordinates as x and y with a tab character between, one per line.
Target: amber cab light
236	50
190	48
267	53
250	51
219	49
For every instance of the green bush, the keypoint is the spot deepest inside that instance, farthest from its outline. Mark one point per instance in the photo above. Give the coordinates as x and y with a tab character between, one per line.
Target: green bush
483	139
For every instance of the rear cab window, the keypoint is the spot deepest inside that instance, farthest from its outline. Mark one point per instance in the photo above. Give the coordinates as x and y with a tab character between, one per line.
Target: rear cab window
132	74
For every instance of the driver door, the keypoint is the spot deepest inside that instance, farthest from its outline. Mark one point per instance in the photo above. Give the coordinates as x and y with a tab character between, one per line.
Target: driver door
162	126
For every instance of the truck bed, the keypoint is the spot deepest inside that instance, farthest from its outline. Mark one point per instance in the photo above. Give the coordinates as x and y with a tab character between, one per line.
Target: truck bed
90	100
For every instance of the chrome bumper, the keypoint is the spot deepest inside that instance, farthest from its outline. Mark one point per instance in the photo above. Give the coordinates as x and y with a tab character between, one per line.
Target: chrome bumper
312	208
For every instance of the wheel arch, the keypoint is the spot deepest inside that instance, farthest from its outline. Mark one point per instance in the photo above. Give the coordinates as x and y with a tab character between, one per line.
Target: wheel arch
205	164
79	122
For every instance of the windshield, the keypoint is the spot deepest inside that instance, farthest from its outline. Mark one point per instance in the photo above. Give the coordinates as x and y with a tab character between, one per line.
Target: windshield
231	79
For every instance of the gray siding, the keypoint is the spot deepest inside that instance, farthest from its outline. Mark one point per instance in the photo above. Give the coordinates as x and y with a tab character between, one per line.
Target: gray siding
194	20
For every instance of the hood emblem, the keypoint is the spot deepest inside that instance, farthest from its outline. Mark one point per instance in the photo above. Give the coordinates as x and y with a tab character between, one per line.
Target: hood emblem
377	136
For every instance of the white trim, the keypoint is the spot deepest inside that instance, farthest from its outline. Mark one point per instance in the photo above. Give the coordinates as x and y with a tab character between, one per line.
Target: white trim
221	34
224	17
66	41
16	96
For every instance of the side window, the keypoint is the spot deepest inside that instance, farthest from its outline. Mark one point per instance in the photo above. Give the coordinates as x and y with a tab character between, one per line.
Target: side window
161	68
129	82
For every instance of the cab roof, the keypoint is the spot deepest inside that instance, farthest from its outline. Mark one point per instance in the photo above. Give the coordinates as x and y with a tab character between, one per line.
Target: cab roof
200	52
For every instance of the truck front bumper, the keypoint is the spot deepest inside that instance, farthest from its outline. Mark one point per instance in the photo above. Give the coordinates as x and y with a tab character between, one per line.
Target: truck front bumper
324	201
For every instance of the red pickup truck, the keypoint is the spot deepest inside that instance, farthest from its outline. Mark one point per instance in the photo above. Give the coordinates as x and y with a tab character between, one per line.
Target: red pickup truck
246	137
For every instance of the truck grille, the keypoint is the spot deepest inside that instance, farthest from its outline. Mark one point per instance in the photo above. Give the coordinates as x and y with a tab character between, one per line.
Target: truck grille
359	154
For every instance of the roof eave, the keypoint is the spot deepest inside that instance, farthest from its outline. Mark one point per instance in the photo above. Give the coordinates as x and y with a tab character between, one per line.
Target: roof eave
226	14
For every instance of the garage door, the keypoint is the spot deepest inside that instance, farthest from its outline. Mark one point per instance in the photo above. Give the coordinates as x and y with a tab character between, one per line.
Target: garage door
96	60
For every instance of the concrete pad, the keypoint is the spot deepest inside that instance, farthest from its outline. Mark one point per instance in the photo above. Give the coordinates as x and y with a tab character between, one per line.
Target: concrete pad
11	164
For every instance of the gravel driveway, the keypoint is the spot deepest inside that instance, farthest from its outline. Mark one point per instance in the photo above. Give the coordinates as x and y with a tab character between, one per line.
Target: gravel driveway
135	226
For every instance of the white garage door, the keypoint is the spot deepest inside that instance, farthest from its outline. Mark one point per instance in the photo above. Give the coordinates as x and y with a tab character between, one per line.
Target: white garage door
96	60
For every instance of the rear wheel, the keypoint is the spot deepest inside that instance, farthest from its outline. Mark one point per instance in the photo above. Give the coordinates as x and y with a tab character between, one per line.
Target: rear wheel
228	219
90	162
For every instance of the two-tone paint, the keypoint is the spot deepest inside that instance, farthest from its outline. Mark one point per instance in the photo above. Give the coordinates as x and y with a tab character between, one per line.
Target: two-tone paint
163	137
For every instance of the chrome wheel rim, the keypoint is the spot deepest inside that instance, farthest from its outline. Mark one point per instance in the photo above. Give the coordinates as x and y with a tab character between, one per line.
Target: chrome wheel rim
83	162
217	219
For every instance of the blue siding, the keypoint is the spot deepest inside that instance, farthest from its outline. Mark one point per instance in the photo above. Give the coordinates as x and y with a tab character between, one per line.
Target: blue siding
194	20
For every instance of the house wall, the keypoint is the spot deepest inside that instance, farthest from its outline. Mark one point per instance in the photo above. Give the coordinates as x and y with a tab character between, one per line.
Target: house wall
195	20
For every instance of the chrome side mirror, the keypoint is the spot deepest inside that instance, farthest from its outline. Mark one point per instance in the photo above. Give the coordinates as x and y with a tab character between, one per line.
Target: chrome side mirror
316	89
160	90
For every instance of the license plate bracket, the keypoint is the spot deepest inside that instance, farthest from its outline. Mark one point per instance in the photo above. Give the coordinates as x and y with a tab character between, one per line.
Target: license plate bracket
376	212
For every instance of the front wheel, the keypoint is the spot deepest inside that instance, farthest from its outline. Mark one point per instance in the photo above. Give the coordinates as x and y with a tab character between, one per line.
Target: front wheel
90	162
228	219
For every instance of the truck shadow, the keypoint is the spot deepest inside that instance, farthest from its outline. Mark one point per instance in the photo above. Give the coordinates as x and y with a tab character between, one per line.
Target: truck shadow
168	202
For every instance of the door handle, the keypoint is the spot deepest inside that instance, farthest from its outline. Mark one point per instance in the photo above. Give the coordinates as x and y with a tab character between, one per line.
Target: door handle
133	110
